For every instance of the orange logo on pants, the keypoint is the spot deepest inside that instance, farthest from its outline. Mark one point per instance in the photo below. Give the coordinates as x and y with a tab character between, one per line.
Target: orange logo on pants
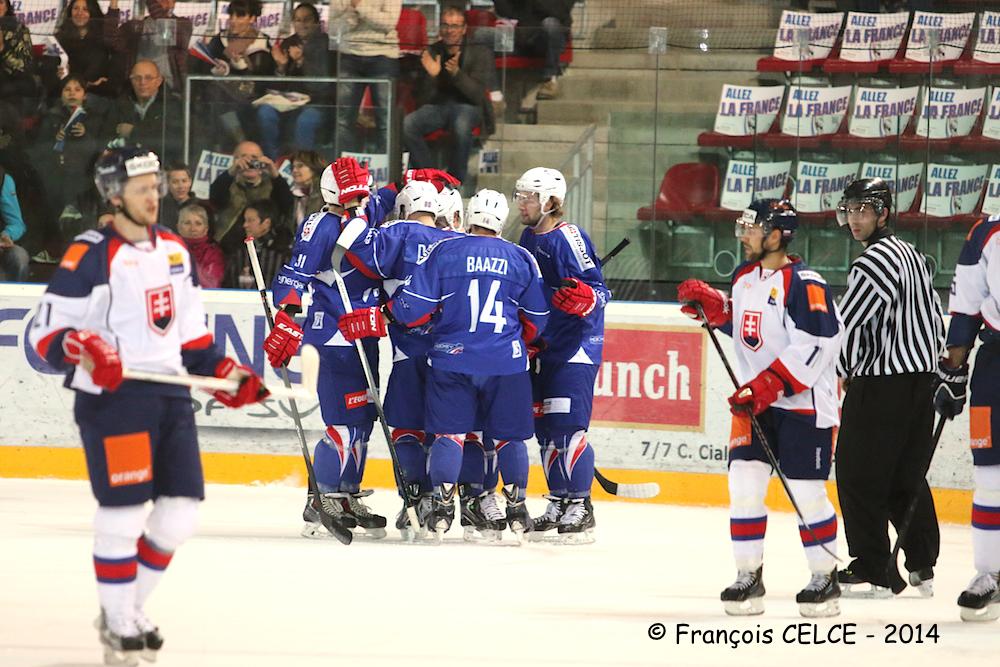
739	436
129	459
980	434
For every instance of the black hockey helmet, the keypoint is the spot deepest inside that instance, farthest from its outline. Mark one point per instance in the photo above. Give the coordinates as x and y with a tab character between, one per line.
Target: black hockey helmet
115	166
872	192
770	214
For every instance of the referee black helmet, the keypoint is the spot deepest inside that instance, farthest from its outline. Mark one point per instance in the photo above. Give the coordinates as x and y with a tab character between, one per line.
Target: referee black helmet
873	192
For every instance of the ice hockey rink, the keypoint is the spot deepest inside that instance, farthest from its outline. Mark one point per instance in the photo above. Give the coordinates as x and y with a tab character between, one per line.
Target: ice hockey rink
248	591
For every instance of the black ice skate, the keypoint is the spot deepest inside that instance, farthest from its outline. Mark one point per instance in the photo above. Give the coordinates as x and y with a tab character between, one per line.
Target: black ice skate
482	519
151	637
745	596
855	585
980	602
923	581
122	641
517	513
442	510
313	528
821	596
422	504
373	524
549	520
577	523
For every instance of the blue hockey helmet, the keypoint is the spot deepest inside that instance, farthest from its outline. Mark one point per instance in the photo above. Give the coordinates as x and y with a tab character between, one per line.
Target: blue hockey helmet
769	214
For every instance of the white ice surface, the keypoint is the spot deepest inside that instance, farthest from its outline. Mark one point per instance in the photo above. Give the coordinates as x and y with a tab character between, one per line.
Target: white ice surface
247	591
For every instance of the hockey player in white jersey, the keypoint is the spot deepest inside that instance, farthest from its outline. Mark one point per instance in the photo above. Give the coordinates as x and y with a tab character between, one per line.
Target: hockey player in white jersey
786	332
975	302
128	296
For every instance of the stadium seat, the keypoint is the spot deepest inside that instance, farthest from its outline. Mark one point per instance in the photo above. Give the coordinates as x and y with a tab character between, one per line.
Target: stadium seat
687	190
775	64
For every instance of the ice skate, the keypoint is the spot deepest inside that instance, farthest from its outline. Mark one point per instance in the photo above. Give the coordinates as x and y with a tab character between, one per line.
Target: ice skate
482	519
853	585
373	524
151	637
121	639
548	521
442	511
422	505
923	581
980	602
310	514
577	523
820	597
745	596
517	516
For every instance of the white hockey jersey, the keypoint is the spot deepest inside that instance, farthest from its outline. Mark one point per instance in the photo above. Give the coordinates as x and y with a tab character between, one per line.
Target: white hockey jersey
975	289
141	298
786	321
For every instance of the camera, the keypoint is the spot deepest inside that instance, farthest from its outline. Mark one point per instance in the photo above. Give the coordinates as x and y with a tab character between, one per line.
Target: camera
256	164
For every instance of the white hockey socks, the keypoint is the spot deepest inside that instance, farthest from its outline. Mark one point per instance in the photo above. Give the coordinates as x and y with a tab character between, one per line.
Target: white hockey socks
747	513
810	494
986	518
171	523
116	530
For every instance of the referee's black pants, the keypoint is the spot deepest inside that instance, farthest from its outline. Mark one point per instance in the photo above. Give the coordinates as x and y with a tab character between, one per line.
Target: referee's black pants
883	452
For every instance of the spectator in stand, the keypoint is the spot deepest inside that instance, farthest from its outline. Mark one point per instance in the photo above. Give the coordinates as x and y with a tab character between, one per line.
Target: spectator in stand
304	53
17	65
179	195
148	114
307	167
250	177
13	258
80	32
369	49
453	95
193	226
542	30
161	37
273	244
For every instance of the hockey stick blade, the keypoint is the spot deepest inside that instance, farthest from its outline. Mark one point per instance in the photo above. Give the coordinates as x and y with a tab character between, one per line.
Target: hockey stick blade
309	361
643	490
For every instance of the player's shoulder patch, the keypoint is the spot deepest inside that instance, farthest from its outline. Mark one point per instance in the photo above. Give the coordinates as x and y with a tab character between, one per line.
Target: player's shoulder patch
310	224
73	255
578	246
809	274
90	236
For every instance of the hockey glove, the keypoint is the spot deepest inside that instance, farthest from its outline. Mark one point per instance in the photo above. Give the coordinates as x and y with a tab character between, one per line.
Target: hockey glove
251	390
96	355
575	297
283	341
715	303
437	177
949	396
352	180
757	394
363	323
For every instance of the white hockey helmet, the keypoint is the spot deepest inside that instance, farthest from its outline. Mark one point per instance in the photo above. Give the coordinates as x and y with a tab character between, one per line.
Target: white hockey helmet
451	203
544	181
489	209
328	186
417	197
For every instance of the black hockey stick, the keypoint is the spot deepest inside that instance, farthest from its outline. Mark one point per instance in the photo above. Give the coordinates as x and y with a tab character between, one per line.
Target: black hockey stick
329	522
614	251
896	581
772	459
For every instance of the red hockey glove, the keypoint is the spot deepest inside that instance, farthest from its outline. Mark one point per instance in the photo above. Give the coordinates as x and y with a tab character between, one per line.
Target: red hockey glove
96	355
284	339
757	394
251	390
714	302
362	323
351	178
575	297
437	177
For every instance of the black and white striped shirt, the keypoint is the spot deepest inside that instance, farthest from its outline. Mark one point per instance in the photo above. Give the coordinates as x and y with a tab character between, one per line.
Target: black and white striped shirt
892	315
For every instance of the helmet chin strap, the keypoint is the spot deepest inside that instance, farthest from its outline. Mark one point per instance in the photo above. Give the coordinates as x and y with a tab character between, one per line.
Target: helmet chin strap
880	232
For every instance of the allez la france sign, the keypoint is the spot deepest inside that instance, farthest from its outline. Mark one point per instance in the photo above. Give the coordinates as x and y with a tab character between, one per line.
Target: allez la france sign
748	110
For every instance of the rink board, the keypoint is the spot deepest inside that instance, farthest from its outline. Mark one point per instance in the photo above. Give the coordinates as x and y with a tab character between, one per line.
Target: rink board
660	411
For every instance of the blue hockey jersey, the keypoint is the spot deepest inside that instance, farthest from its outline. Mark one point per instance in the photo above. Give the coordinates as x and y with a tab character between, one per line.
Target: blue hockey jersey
483	293
311	267
975	289
567	252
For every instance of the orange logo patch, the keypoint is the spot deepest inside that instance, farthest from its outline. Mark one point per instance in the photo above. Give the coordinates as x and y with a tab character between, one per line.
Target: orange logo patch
73	255
817	298
129	459
739	436
980	433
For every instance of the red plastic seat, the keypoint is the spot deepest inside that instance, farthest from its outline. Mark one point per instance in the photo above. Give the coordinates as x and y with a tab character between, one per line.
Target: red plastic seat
532	62
687	190
479	18
438	135
412	29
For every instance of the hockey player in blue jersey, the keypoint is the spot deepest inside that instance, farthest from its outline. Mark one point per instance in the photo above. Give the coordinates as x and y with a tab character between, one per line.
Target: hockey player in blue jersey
787	333
574	342
483	298
343	391
128	296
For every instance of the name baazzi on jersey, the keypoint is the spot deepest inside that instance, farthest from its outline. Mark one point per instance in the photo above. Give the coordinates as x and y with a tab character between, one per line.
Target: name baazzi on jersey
393	251
975	289
786	320
567	252
483	294
142	298
311	267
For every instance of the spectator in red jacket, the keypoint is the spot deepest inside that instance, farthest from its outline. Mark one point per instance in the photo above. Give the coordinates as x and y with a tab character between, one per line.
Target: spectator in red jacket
193	226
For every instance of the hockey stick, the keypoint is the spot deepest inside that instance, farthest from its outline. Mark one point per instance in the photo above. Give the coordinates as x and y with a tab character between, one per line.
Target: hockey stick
896	581
397	471
306	390
772	459
333	526
614	251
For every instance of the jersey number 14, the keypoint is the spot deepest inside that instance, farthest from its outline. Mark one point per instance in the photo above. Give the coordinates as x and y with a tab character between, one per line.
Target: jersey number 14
489	311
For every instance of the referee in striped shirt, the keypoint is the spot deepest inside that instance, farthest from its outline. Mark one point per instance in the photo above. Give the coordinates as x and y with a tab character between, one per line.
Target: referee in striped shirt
894	336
